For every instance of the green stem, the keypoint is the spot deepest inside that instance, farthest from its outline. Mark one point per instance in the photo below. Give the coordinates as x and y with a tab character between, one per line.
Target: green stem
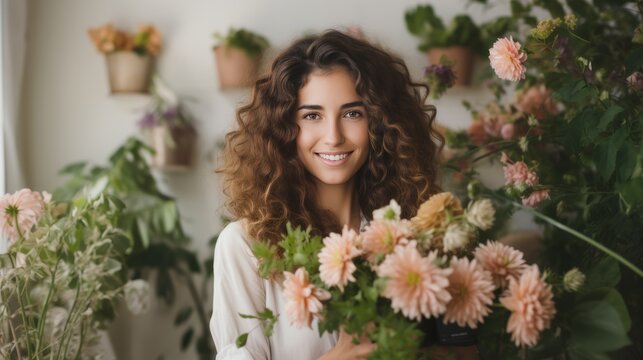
41	320
71	312
23	313
581	236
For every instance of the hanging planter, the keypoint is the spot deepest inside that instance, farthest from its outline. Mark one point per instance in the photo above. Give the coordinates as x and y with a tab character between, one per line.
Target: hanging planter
235	68
458	42
461	58
128	72
170	130
237	57
129	57
173	147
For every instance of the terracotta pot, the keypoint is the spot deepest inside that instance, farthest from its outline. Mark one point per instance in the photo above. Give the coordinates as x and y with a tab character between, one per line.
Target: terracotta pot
235	68
128	72
462	58
173	147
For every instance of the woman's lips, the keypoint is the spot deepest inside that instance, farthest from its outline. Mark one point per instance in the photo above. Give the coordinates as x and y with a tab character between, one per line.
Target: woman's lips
335	158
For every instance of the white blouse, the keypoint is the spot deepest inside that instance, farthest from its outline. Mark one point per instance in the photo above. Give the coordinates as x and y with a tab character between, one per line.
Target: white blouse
238	288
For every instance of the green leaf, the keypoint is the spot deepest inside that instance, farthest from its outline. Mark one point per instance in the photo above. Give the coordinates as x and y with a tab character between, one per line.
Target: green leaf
241	340
627	156
614	298
605	153
631	192
186	339
143	232
169	216
608	116
182	316
73	169
606	273
597	327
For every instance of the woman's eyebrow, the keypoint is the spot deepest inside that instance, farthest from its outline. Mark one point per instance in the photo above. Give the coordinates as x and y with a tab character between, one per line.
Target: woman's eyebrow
318	107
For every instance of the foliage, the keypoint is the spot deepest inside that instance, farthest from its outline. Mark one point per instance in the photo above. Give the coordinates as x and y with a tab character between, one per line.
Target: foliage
250	42
60	280
424	23
588	154
152	220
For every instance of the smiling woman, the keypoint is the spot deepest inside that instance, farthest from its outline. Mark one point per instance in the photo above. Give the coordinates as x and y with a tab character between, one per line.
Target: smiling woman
334	131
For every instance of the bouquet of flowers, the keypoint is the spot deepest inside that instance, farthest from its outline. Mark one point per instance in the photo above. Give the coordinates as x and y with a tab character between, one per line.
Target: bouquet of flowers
62	268
398	272
107	39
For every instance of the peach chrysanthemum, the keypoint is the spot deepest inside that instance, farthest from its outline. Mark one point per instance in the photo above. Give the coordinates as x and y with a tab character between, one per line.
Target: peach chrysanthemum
26	207
530	301
432	213
416	285
303	299
507	59
336	258
471	289
503	262
381	236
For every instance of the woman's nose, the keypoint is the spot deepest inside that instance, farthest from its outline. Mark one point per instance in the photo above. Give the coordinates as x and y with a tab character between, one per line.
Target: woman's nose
334	133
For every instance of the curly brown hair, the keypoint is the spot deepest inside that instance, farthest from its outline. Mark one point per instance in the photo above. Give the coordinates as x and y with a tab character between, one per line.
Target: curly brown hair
268	185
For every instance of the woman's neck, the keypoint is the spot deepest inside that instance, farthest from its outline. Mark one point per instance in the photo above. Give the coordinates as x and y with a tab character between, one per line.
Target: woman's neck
341	200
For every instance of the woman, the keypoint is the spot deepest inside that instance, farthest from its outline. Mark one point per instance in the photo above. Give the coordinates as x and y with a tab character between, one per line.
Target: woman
335	130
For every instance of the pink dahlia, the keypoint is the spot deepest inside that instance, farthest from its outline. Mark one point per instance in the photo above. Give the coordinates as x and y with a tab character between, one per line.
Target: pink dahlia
336	258
25	205
416	285
501	261
471	289
303	299
530	301
535	198
381	236
507	59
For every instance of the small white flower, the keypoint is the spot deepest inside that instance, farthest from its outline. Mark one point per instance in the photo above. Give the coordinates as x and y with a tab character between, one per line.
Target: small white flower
573	280
391	211
456	236
482	214
137	296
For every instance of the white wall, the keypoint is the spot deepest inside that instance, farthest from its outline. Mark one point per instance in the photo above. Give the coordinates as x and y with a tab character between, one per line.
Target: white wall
69	115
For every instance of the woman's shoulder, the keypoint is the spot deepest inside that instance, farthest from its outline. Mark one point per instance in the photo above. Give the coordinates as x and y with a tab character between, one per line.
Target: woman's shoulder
233	239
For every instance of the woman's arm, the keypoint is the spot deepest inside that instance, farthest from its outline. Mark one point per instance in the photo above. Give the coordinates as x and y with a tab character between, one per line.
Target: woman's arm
238	289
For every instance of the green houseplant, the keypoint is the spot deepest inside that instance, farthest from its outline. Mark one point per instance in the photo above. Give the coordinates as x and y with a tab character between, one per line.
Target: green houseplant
237	55
153	222
457	42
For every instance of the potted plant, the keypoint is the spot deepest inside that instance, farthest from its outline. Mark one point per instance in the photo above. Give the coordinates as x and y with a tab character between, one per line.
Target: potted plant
458	42
171	131
237	56
129	57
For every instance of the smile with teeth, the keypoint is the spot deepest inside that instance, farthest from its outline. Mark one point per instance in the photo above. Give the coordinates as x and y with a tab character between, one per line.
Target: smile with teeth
333	157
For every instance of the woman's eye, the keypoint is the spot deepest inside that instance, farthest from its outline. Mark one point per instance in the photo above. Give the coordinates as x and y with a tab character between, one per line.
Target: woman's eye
311	116
353	114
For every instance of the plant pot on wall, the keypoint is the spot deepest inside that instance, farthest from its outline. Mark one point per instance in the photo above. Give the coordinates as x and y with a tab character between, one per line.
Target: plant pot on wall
235	68
128	72
173	147
462	58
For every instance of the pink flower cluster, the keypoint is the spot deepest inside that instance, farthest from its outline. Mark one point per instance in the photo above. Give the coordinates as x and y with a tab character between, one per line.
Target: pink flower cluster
422	284
519	175
493	122
20	211
537	100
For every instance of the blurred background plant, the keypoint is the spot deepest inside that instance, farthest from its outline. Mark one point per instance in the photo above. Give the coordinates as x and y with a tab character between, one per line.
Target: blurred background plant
152	220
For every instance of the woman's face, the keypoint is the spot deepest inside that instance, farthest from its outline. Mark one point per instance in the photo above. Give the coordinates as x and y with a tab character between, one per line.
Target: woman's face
333	126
